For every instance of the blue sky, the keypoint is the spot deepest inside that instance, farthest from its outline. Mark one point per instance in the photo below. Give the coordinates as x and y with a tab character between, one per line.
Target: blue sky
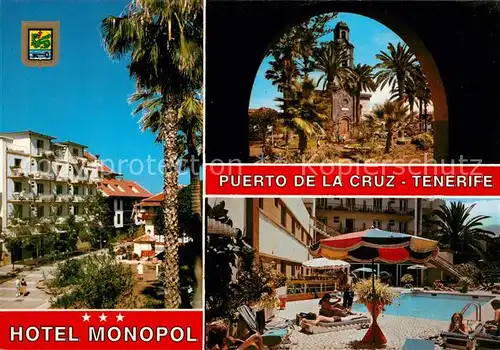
489	207
368	36
83	98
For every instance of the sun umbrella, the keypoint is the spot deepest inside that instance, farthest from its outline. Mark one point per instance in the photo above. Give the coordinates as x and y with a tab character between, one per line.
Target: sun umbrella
324	263
364	269
417	267
376	245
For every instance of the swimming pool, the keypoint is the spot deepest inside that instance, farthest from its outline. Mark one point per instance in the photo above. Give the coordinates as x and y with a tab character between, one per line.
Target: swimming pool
430	306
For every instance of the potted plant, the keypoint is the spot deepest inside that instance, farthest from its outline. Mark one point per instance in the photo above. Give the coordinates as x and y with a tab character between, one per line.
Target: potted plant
375	296
464	284
407	279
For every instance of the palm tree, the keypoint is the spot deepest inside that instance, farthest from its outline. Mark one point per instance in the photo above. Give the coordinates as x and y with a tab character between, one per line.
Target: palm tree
333	61
457	229
396	68
388	118
363	79
164	41
423	95
302	109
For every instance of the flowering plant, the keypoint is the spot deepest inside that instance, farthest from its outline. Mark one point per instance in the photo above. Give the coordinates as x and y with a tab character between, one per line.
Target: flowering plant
383	293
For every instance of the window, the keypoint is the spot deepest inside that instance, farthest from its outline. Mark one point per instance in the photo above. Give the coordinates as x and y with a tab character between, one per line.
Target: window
76	210
276	202
59	170
41	165
75	151
17	162
76	190
293	227
391	222
39	145
377	203
283	216
18	187
118	204
59	210
118	219
283	268
40	211
322	203
377	224
302	237
40	189
59	189
261	203
343	35
336	219
350	203
323	220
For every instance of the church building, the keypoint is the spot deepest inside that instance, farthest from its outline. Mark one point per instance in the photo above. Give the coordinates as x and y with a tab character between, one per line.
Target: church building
343	106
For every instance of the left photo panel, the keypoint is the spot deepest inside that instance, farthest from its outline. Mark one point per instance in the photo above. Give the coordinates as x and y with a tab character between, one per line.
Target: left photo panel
100	155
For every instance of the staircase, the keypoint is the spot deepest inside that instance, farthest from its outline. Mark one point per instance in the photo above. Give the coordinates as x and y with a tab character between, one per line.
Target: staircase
441	263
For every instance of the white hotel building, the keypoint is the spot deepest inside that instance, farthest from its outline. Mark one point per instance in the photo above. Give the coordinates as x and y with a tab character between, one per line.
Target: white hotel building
40	177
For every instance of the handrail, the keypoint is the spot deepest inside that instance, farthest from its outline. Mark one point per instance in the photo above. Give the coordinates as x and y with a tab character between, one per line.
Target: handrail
478	309
446	265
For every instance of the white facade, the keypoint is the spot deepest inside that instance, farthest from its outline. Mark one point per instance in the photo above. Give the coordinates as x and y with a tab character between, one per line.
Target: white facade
275	241
39	177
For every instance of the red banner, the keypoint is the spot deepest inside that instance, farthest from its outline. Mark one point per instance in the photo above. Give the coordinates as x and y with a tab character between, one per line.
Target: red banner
353	180
101	329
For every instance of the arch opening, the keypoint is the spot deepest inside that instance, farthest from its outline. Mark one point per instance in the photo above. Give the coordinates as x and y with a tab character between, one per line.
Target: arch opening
346	113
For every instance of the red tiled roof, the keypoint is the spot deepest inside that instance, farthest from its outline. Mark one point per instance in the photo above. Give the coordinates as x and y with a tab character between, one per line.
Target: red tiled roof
127	186
145	238
104	168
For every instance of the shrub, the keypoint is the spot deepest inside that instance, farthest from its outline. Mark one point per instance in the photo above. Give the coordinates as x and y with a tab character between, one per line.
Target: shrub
99	282
423	141
464	284
407	278
383	293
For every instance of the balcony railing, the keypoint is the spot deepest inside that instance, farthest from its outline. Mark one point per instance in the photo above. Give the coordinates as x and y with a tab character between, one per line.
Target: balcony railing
42	175
64	198
322	228
78	198
23	196
45	197
17	172
369	209
358	229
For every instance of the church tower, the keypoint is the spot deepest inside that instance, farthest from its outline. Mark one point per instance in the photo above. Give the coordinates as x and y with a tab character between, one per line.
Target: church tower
341	35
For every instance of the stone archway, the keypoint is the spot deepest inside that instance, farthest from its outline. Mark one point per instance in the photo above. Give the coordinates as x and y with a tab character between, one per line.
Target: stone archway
441	43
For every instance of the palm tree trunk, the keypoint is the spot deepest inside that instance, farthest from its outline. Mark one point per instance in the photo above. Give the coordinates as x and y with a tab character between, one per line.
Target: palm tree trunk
426	116
335	122
388	142
401	87
358	98
302	142
170	206
194	173
420	115
419	217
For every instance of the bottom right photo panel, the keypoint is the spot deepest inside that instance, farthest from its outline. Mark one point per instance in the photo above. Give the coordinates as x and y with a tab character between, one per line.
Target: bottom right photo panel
341	273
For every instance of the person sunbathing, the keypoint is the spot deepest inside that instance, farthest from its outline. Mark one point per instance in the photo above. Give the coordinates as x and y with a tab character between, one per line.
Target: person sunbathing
312	320
332	309
492	326
457	324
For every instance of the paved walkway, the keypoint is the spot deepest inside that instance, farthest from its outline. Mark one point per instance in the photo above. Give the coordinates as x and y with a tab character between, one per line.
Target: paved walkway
36	299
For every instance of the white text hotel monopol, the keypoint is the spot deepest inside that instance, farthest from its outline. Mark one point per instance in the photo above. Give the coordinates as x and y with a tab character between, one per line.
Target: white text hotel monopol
102	334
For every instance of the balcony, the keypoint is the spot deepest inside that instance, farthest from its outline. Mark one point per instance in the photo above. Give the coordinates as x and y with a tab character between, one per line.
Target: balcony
322	228
23	196
358	229
64	198
45	197
42	175
17	172
78	198
362	208
62	178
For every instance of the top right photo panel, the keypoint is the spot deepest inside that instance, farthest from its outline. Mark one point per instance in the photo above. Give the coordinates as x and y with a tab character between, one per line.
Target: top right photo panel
363	82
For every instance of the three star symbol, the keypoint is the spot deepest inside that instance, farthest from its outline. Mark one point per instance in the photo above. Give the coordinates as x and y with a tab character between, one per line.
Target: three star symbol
103	317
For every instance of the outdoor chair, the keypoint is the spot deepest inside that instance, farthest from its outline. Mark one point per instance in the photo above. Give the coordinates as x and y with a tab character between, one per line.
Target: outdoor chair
272	336
461	341
485	341
348	322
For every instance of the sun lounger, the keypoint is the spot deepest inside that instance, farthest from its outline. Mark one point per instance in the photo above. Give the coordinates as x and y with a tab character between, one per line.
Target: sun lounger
485	341
271	337
348	322
460	341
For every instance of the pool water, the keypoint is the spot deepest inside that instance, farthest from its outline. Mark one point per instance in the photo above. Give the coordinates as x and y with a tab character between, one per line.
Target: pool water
435	307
